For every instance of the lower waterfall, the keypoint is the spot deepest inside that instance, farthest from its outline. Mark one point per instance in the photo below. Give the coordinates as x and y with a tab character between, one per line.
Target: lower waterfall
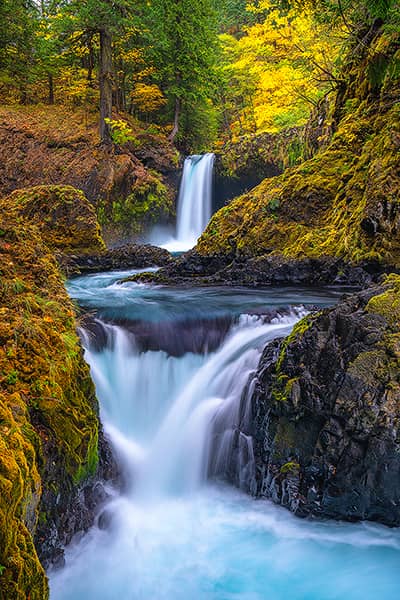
179	422
166	406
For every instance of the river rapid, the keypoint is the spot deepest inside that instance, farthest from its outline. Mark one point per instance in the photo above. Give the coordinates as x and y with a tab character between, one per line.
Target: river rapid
170	366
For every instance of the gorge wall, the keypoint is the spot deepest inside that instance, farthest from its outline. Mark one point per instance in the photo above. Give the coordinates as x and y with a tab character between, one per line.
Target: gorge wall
336	210
52	450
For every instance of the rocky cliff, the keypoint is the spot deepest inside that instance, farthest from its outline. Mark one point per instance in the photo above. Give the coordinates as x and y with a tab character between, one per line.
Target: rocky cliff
132	185
52	450
326	411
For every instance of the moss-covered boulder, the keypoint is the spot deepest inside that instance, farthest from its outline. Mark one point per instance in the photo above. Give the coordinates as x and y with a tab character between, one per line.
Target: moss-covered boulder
49	427
343	202
63	215
326	411
147	202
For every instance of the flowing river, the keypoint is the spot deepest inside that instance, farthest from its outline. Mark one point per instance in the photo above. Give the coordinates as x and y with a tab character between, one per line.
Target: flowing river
170	366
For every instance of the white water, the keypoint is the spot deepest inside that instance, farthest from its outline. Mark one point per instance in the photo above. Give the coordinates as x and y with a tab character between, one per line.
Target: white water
194	207
173	535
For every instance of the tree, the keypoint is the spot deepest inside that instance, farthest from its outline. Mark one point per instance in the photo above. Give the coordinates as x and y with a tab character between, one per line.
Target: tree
273	75
355	14
233	16
182	46
105	19
18	24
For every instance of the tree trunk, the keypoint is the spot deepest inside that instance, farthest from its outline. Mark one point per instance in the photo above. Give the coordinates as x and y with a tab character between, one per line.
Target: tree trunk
50	80
105	86
90	64
175	128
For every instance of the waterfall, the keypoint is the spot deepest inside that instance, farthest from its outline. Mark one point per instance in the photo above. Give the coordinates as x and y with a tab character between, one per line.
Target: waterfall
194	207
194	201
174	371
181	413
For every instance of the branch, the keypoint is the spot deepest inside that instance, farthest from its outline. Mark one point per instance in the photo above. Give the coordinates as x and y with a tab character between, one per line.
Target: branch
348	27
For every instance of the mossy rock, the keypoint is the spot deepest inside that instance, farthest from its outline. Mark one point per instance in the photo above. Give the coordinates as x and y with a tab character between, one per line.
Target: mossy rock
150	201
63	215
48	410
342	203
327	409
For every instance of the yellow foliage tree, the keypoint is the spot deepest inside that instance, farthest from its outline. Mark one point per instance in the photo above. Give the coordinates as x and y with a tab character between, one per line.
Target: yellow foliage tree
147	98
277	71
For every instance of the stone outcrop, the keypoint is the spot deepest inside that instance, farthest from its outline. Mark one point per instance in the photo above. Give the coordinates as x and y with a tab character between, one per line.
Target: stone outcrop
326	411
195	269
52	449
128	256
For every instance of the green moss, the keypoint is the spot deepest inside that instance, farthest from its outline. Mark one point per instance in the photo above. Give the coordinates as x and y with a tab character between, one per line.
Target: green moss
387	304
149	202
298	331
290	468
42	373
11	377
282	388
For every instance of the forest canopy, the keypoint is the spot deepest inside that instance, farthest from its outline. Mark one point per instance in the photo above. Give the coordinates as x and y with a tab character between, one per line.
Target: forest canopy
201	71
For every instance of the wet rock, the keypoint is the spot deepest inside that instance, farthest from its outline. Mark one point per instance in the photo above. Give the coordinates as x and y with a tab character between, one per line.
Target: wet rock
69	510
270	270
129	256
326	412
105	520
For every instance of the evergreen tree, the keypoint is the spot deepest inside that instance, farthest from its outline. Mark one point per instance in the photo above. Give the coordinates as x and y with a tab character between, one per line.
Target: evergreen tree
182	47
18	23
105	19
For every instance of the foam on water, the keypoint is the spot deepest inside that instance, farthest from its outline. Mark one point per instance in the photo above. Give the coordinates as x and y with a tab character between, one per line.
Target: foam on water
173	534
218	545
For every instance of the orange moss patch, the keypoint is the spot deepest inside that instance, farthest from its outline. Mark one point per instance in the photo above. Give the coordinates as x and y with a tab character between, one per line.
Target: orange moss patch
62	214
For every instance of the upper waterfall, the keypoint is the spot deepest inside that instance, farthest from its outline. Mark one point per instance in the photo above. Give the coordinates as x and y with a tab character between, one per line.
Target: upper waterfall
194	206
194	201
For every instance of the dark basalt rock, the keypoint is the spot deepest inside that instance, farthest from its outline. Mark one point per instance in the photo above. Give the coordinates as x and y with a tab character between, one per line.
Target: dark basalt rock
194	269
129	256
326	413
69	511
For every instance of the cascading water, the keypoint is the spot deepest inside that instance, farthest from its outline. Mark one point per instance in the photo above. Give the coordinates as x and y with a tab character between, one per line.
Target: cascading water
178	418
194	206
194	202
